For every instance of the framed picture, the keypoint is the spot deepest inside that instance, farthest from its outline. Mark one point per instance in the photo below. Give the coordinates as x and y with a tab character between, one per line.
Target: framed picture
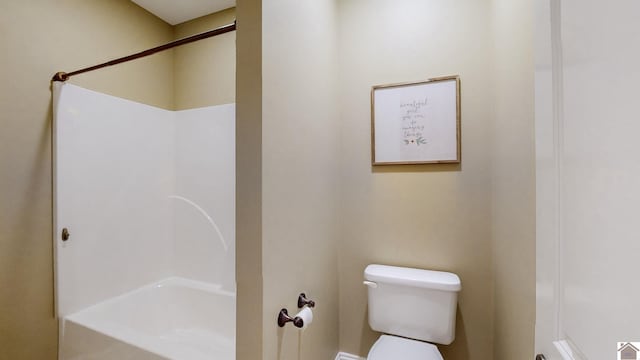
416	123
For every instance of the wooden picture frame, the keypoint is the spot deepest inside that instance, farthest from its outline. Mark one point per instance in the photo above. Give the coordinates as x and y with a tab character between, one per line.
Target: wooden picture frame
416	122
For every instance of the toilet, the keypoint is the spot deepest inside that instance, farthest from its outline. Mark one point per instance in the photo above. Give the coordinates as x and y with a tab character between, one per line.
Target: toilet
413	308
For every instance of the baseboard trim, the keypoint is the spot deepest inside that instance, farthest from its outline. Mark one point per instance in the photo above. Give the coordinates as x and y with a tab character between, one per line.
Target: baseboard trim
345	356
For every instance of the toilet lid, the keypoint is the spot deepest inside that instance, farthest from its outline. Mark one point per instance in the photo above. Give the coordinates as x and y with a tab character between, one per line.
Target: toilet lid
393	348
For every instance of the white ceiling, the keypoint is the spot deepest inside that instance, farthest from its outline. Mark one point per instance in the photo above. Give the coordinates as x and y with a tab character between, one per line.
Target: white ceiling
176	12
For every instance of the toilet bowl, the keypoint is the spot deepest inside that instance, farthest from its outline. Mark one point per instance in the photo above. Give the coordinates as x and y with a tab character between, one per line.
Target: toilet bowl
413	308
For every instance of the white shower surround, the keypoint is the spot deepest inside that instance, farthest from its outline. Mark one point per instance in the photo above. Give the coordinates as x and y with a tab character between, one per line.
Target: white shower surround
146	193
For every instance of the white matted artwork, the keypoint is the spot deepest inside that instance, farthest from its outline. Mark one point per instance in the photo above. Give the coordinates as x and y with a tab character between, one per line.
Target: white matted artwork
416	123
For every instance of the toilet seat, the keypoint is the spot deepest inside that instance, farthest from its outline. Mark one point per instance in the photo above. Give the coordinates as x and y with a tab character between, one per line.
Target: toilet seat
393	348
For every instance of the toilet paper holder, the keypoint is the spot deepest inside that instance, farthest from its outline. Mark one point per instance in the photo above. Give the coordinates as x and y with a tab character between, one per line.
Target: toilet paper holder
284	318
303	301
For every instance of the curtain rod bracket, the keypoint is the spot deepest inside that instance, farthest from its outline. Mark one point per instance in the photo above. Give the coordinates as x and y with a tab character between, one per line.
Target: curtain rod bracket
60	76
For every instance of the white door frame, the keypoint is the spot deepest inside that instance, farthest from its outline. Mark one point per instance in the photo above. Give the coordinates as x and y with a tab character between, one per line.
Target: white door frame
549	150
549	125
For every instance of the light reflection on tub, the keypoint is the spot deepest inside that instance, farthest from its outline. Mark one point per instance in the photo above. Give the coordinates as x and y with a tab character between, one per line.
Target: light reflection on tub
176	318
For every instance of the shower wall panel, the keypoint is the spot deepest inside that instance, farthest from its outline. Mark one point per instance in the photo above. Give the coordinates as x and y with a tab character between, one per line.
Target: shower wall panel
145	193
112	182
204	195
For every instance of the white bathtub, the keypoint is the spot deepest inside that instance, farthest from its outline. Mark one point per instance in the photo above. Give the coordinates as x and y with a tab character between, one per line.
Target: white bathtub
173	319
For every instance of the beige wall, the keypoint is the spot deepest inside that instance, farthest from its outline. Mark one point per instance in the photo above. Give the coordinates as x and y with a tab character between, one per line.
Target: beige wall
300	174
205	70
513	179
39	38
429	216
287	177
249	307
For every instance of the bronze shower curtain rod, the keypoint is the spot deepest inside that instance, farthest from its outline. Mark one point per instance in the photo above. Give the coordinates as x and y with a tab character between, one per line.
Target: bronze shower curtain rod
63	76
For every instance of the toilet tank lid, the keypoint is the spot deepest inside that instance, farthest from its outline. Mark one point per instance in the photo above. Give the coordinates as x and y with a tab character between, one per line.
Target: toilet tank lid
437	280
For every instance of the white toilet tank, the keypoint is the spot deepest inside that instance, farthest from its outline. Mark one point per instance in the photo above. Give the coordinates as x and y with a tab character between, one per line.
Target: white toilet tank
413	303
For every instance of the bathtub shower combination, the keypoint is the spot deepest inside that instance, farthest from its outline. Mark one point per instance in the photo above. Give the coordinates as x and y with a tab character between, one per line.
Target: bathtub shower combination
144	228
